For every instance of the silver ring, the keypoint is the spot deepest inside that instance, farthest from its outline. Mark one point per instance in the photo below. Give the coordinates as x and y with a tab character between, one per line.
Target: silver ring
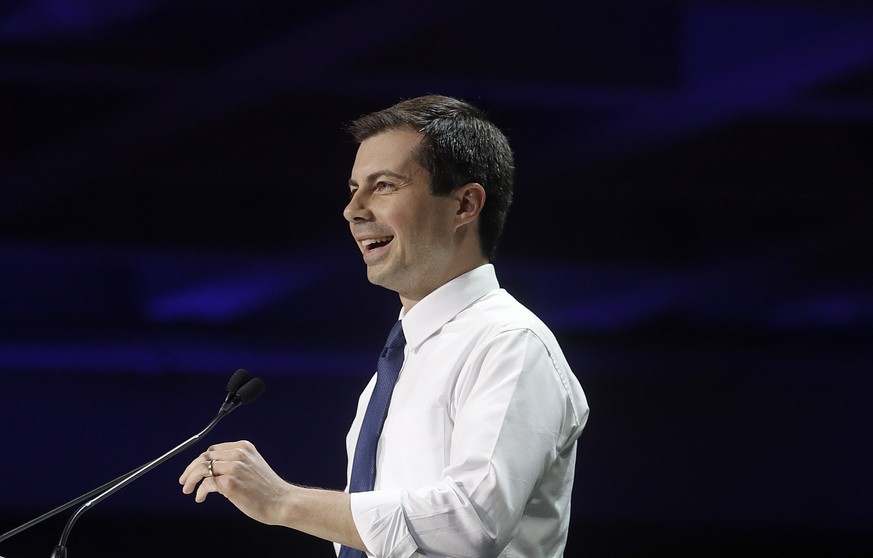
209	470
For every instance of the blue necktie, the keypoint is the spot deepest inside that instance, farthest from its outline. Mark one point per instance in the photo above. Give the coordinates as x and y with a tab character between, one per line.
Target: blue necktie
364	465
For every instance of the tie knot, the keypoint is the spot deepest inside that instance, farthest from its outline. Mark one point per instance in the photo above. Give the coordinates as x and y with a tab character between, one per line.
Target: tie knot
396	339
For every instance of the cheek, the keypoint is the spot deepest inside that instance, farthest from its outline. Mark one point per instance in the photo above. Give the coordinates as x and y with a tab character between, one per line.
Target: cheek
424	225
439	219
432	232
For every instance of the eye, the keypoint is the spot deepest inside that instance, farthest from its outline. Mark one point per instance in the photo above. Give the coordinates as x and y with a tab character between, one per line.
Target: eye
383	186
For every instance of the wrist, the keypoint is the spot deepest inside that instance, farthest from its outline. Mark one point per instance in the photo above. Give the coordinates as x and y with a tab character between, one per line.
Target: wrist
287	509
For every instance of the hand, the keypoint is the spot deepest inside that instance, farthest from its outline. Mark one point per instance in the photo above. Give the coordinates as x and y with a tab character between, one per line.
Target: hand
242	475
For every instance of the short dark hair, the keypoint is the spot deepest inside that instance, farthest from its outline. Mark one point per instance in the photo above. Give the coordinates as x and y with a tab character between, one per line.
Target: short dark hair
460	146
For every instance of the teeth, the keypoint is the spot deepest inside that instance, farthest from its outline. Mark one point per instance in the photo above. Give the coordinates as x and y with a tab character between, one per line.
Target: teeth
372	241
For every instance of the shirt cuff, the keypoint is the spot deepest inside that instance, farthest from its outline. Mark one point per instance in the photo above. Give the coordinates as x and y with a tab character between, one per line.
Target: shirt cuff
381	523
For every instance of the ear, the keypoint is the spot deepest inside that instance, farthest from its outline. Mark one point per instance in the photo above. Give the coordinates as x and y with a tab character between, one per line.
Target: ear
471	200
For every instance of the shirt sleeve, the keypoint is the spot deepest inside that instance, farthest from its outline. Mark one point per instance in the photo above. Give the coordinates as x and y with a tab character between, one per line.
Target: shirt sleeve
512	415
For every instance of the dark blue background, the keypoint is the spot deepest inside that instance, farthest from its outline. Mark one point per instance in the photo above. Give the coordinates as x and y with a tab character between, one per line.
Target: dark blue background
693	219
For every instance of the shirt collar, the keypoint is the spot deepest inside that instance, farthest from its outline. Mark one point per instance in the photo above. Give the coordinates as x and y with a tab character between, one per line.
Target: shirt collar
439	307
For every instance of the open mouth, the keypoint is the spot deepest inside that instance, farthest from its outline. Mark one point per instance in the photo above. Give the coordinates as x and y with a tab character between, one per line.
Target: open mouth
373	243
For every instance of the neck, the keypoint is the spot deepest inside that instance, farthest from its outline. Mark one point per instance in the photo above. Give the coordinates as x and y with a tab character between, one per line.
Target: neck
409	301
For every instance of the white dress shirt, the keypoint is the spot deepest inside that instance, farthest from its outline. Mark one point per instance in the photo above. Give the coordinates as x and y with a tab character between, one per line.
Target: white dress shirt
477	453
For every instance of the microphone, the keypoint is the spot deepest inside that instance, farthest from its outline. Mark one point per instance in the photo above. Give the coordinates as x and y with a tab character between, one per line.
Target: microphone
237	380
241	388
244	395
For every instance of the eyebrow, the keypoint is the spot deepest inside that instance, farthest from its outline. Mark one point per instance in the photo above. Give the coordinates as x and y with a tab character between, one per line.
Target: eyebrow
374	175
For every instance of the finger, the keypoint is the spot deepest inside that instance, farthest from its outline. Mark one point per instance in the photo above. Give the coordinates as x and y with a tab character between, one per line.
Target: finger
212	482
192	467
197	471
224	446
208	485
210	453
232	451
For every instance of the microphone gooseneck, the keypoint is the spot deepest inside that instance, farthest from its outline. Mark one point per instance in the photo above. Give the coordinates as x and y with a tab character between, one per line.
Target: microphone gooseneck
250	390
241	389
237	381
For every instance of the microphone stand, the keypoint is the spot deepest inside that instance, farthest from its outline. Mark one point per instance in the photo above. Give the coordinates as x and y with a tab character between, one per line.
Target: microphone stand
103	492
241	390
68	505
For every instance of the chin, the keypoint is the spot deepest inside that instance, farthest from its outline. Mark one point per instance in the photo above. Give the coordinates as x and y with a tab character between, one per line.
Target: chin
386	278
376	277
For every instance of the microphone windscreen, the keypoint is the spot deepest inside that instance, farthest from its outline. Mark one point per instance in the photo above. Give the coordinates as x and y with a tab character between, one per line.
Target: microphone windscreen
251	390
238	380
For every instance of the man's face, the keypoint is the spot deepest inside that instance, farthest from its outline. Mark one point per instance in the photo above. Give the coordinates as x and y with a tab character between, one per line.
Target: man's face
404	232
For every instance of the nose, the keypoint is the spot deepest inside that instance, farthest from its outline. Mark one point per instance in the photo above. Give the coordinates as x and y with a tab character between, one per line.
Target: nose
356	209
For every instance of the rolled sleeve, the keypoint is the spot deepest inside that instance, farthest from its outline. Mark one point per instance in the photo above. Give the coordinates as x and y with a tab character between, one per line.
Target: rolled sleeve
381	522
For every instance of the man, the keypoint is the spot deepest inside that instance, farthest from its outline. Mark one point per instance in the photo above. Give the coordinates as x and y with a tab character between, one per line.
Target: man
476	453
